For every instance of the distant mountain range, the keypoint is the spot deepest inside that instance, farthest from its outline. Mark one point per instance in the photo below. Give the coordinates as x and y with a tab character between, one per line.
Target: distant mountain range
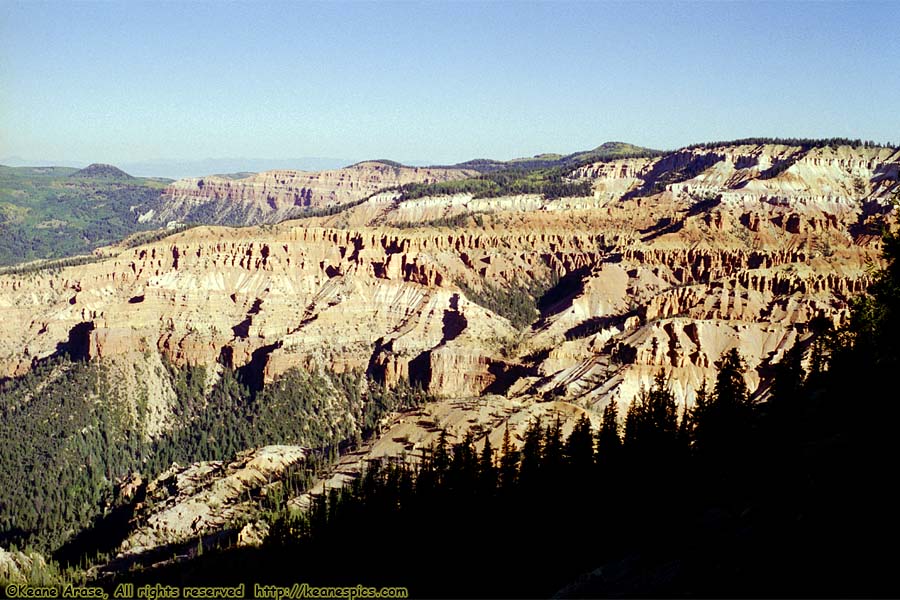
177	169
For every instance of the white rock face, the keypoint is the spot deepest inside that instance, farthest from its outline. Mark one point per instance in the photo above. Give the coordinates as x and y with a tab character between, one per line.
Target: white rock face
757	172
184	503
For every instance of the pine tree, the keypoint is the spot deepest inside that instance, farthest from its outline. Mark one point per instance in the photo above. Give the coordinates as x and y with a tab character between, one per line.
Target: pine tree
487	472
789	377
691	416
724	422
463	472
509	462
651	424
635	416
532	456
609	444
823	342
731	389
553	458
702	400
786	402
441	460
579	451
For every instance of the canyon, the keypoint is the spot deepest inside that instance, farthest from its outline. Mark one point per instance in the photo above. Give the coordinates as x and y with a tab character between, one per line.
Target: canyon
636	284
504	308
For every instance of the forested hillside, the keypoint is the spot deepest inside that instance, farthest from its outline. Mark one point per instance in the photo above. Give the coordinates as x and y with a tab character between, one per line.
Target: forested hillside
52	212
67	436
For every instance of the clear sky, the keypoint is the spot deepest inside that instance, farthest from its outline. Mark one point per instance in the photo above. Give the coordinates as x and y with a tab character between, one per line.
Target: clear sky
436	81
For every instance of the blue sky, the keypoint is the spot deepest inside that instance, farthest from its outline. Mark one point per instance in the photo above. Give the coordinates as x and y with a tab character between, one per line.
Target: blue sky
436	82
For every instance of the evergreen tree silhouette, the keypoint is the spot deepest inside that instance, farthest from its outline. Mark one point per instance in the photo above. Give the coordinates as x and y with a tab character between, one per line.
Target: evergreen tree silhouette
487	472
509	463
651	424
463	472
609	443
725	421
441	459
785	406
532	457
552	460
790	377
579	449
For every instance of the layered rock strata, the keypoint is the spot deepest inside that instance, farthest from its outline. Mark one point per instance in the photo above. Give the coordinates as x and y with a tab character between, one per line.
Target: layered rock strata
741	249
273	196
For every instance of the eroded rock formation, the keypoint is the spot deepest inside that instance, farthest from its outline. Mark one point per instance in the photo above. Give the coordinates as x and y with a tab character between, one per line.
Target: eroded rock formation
671	262
273	196
186	503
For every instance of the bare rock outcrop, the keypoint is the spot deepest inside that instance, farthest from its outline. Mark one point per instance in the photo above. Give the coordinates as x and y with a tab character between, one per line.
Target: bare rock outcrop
186	503
273	196
753	172
702	250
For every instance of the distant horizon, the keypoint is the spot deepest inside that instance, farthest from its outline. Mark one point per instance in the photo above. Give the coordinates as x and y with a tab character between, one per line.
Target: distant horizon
435	82
175	168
